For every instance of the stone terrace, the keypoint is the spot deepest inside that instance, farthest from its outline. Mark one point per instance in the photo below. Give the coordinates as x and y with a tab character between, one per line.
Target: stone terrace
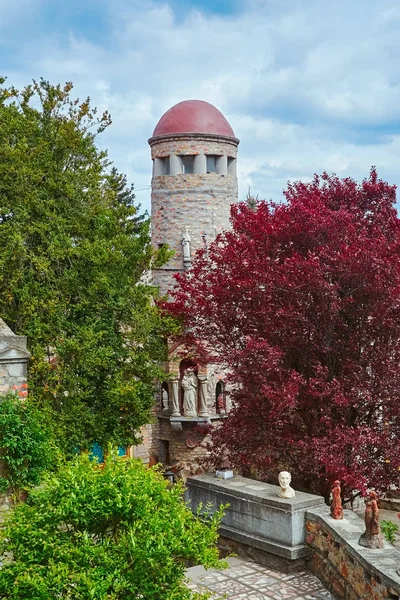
245	580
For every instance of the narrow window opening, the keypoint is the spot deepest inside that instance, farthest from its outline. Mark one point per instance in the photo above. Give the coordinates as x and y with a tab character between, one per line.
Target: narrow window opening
187	164
165	165
211	163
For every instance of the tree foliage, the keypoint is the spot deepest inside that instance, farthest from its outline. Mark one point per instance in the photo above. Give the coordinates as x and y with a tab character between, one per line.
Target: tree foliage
73	252
111	533
27	448
301	302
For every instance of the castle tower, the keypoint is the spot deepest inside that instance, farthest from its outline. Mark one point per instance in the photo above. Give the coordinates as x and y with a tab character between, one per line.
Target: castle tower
194	182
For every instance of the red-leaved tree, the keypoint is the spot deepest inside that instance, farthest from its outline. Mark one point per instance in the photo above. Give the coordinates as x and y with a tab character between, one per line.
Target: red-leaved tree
300	301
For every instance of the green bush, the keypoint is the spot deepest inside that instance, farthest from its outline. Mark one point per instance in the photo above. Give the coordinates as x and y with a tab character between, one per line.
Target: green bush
26	445
389	531
109	533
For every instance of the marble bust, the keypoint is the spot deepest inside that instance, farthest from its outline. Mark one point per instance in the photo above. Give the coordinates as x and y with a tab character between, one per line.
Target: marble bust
285	479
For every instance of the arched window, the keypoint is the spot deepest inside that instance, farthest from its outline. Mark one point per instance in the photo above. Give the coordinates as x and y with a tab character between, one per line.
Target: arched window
220	404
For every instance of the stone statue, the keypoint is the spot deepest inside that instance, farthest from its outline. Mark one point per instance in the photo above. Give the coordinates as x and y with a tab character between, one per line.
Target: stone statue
220	404
285	479
224	462
187	256
336	506
165	399
372	537
189	384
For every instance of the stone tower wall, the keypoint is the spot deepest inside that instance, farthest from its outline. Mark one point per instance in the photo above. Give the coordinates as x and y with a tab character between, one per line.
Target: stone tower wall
198	201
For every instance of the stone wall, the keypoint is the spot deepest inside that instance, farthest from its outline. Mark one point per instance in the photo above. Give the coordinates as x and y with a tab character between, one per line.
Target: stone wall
350	571
14	359
199	202
258	524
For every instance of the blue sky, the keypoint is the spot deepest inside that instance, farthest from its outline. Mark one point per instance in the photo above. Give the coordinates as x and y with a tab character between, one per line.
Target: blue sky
307	85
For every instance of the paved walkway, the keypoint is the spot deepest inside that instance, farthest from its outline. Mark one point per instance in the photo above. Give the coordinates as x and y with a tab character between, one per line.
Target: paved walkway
245	580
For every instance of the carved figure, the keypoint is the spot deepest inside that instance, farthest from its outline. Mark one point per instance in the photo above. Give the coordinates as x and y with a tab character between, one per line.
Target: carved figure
224	462
189	384
187	258
336	506
285	479
220	404
372	537
165	399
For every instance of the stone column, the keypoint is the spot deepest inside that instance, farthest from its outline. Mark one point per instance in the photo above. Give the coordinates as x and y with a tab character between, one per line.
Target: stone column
175	165
203	408
175	398
222	165
200	163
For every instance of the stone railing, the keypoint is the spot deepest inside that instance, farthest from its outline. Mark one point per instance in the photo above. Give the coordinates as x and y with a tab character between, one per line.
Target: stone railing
349	570
14	359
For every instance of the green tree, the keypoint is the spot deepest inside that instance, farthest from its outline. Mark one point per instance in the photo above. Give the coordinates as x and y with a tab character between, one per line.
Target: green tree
27	447
112	533
73	254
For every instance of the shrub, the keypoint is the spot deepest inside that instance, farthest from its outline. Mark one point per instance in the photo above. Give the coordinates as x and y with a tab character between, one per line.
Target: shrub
116	532
389	531
26	445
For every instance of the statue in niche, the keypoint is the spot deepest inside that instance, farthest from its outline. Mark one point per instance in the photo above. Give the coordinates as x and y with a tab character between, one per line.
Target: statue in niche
285	480
187	256
336	506
189	385
372	537
164	399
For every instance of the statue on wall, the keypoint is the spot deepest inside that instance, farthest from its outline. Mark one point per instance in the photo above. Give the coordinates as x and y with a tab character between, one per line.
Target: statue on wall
372	537
224	462
285	491
336	506
189	385
164	399
187	255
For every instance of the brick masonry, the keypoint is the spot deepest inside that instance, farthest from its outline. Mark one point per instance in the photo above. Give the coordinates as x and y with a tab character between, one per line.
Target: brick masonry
350	571
199	202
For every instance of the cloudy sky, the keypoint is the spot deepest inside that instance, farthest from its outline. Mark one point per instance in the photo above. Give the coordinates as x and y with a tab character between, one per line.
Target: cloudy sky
307	85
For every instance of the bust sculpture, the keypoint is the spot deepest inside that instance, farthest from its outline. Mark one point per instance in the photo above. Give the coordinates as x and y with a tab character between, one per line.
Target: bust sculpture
336	506
372	537
285	491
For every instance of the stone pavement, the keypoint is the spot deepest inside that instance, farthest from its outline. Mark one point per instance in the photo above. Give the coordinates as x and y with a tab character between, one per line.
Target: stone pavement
245	580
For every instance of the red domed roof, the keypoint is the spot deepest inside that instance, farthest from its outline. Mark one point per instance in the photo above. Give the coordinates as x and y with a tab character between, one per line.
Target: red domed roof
193	116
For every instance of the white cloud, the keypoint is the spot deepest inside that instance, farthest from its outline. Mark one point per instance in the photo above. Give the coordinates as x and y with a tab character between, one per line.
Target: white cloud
307	85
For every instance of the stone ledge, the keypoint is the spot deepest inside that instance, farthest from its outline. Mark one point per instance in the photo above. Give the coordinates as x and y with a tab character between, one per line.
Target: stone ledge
264	493
288	552
381	564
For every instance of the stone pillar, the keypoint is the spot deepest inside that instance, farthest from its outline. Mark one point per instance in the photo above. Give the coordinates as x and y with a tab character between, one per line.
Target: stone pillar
222	165
158	167
175	398
203	408
175	165
14	358
200	164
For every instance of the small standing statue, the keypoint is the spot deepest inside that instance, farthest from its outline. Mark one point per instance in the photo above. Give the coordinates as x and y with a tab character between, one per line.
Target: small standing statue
224	462
285	491
187	255
224	470
372	537
164	399
189	384
336	506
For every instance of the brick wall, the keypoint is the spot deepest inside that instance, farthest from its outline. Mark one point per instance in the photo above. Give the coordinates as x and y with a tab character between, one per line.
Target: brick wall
350	571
